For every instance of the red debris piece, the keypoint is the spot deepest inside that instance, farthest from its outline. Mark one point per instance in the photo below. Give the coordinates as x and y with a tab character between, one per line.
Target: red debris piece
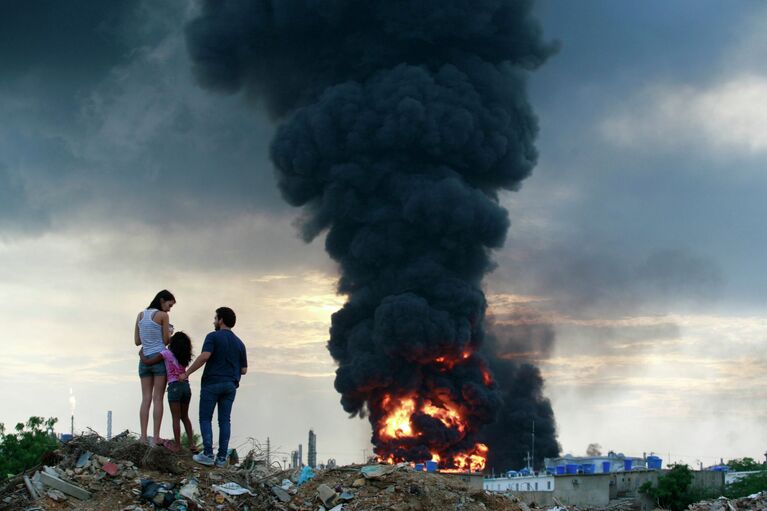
110	468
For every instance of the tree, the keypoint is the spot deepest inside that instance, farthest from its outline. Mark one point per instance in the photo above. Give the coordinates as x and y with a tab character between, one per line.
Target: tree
673	490
744	465
24	447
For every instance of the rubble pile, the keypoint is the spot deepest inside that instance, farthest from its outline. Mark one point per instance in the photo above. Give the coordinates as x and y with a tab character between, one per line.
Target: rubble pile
90	473
755	502
390	487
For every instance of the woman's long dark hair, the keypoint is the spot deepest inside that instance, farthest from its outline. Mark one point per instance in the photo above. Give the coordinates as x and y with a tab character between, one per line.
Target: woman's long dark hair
181	346
162	295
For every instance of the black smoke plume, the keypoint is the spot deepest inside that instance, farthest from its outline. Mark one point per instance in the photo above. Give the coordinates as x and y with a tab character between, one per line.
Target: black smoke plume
513	348
402	120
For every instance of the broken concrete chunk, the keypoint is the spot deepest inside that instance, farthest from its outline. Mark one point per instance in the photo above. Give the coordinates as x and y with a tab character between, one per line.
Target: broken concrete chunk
281	494
359	482
326	494
64	486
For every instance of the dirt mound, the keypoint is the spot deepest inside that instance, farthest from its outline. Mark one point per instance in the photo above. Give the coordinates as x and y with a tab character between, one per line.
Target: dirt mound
95	474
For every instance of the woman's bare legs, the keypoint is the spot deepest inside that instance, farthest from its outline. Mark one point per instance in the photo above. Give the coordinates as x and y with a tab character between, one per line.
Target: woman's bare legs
147	384
158	393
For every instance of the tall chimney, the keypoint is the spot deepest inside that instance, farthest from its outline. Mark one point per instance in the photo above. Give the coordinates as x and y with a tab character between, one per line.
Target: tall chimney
72	425
109	425
311	458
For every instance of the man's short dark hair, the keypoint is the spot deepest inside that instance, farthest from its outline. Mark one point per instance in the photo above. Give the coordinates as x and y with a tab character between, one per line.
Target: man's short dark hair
226	315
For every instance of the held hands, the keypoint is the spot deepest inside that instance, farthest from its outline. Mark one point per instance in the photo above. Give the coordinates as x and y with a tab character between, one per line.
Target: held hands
183	376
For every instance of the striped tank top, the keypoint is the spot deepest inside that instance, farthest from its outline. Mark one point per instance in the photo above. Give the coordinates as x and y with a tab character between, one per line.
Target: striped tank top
150	333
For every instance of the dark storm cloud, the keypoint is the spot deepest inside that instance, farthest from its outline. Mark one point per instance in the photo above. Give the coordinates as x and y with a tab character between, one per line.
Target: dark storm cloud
71	44
582	280
101	121
603	211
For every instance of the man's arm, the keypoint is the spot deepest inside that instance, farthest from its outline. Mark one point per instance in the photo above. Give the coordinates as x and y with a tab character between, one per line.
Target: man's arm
243	360
198	363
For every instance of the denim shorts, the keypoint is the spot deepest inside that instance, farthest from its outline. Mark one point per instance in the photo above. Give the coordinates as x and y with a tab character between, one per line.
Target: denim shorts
179	392
153	370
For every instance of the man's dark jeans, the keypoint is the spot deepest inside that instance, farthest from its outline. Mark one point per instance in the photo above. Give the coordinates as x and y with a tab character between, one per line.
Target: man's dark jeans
212	395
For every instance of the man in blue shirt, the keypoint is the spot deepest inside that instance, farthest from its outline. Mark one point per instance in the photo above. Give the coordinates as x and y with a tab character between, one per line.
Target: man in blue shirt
225	361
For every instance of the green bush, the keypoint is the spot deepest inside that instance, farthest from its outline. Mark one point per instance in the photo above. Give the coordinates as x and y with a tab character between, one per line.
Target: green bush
748	485
745	465
674	490
25	445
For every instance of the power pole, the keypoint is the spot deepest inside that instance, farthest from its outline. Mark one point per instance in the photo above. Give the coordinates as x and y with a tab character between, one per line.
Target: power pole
533	448
268	453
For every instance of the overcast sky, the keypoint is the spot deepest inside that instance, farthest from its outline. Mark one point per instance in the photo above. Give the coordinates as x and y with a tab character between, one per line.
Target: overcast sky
638	242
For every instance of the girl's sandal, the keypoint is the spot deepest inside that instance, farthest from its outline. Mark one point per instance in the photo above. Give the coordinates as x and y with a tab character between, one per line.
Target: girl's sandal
194	449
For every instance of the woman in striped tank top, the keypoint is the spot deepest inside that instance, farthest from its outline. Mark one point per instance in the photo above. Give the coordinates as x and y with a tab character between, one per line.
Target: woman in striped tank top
152	333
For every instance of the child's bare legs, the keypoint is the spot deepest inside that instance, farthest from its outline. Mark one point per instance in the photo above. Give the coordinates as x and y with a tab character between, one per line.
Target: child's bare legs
188	426
175	411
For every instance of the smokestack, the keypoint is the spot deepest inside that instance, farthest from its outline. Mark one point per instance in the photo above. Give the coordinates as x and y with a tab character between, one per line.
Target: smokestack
401	124
109	425
72	425
311	458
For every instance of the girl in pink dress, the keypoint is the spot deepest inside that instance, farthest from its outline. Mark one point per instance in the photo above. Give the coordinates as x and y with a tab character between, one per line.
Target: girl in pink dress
176	356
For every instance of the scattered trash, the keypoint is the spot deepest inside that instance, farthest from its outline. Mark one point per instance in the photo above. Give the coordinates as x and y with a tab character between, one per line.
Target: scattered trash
376	471
231	489
281	494
326	494
110	468
56	495
83	459
306	474
190	490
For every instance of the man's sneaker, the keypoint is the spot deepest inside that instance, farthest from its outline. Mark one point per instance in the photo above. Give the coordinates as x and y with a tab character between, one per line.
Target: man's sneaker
203	459
220	463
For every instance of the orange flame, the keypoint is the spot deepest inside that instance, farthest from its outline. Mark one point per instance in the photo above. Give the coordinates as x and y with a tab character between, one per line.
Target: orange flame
487	378
397	422
447	413
474	460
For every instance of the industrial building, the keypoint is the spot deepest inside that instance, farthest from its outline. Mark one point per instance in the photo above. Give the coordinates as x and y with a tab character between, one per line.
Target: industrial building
591	481
612	462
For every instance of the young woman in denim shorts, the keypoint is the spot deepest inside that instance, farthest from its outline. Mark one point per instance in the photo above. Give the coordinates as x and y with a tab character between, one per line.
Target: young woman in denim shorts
152	332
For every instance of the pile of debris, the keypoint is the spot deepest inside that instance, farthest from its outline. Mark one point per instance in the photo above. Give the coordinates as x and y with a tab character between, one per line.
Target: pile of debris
391	487
91	473
757	501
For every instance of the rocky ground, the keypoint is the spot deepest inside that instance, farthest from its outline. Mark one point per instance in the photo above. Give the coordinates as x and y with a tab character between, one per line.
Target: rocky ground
90	473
